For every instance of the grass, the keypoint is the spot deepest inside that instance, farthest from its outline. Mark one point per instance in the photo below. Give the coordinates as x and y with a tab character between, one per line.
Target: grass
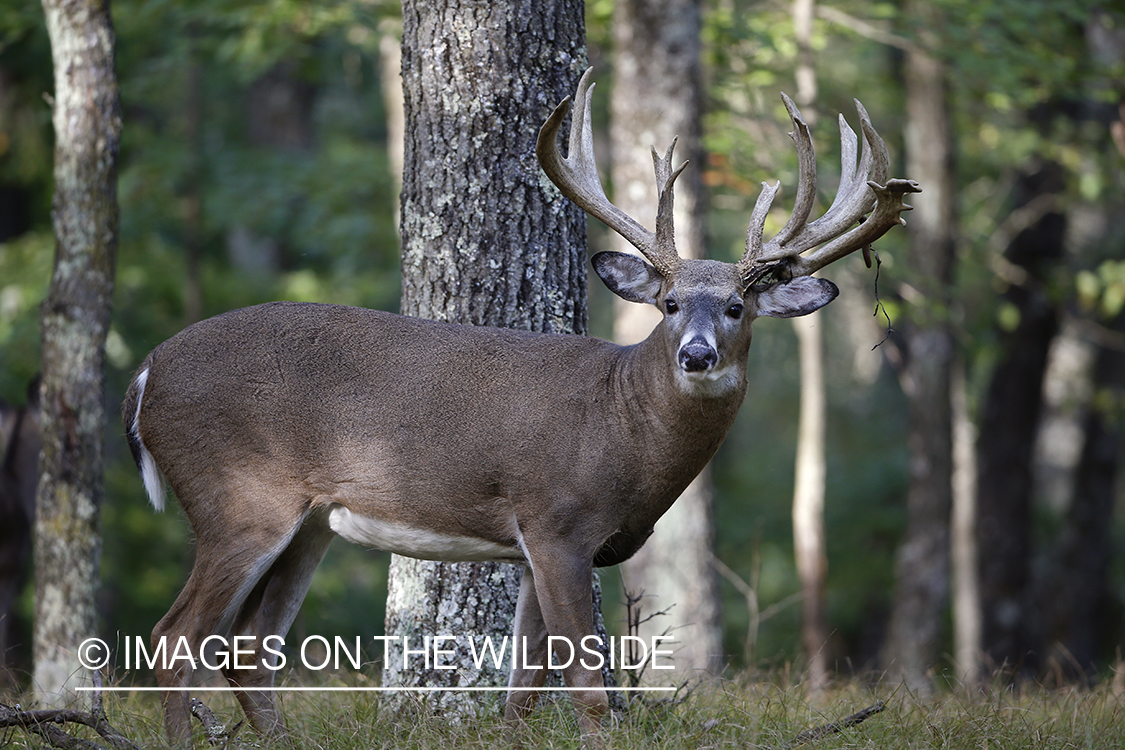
740	713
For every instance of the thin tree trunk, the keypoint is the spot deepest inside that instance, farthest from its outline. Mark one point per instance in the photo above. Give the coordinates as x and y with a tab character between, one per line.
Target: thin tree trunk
810	469
390	76
657	96
966	602
484	242
75	320
279	116
193	187
922	562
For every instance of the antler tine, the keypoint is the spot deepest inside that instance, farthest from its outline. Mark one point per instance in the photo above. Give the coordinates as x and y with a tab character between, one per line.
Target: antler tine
849	152
888	197
577	177
806	191
806	181
861	190
852	200
664	256
888	207
755	228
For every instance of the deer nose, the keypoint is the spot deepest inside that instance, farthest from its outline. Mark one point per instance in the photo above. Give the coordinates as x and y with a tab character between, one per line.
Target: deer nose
697	355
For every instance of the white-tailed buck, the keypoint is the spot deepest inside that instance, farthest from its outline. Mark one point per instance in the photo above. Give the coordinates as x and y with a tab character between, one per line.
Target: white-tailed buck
282	425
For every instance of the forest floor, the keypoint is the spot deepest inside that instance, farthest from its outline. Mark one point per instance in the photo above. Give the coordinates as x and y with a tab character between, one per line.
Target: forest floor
747	712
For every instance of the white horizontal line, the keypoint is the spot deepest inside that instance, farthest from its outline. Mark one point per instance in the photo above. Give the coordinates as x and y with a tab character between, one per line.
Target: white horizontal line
204	689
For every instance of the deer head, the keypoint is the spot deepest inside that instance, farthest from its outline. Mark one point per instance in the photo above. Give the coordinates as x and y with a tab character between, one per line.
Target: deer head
708	304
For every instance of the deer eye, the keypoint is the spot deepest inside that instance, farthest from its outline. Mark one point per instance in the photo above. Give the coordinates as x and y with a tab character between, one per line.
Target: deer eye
671	307
735	311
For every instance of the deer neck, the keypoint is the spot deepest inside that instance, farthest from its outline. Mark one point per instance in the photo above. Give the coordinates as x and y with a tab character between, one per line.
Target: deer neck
666	434
683	427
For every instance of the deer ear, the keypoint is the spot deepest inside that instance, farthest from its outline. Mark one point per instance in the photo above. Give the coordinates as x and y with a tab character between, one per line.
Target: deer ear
799	296
628	277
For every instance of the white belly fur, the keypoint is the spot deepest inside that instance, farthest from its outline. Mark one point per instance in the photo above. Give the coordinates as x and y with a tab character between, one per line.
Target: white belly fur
417	542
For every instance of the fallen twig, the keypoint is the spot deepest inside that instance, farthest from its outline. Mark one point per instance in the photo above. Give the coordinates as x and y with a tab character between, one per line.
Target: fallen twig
812	735
46	723
217	734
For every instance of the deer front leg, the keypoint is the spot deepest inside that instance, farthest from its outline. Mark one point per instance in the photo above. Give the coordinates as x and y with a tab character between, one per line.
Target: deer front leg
563	589
269	611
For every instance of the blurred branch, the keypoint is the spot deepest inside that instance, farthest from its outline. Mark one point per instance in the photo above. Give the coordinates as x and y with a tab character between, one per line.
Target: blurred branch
1099	334
757	616
1005	232
865	29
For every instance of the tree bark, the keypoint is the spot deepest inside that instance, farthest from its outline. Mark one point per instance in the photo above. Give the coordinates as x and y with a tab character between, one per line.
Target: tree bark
922	561
75	320
657	95
485	241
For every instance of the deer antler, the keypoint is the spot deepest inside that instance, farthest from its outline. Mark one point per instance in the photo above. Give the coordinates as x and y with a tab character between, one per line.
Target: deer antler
862	190
577	177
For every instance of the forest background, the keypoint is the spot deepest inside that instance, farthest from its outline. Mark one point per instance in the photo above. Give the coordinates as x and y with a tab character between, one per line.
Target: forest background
255	166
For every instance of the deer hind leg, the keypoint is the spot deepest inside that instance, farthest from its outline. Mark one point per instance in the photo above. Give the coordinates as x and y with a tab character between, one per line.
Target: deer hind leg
529	637
269	611
227	569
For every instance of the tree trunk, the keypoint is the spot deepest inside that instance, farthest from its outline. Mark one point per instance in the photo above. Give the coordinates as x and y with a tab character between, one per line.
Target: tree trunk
483	242
1011	627
657	96
75	320
922	562
810	467
1079	600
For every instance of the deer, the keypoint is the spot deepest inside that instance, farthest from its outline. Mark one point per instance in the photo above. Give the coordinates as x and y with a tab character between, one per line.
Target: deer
282	426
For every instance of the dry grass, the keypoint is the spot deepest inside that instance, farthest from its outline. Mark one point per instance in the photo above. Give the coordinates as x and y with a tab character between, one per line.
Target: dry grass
740	713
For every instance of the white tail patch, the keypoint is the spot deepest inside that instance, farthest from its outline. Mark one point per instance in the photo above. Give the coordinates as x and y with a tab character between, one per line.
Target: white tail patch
150	472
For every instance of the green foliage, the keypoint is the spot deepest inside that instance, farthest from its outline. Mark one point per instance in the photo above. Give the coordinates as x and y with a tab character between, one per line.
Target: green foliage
1102	290
24	274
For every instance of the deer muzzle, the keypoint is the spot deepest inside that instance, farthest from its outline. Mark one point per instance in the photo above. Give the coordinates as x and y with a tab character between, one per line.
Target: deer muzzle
697	355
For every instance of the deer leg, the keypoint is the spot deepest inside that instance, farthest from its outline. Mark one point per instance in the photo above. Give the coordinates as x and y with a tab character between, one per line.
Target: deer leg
226	570
529	637
563	588
270	610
